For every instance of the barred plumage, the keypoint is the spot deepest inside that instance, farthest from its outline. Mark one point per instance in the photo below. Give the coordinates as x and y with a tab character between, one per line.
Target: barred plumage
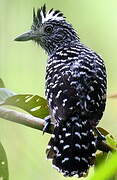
73	147
75	90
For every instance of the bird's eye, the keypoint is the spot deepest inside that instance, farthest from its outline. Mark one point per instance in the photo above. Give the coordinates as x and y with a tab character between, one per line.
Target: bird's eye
48	29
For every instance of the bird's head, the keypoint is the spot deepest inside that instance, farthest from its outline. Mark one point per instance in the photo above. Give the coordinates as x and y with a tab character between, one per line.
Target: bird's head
49	29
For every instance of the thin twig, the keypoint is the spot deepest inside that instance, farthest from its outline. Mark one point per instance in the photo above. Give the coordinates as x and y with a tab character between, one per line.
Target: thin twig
24	119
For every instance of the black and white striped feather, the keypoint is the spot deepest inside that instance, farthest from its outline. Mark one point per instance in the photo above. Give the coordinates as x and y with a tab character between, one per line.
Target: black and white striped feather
76	93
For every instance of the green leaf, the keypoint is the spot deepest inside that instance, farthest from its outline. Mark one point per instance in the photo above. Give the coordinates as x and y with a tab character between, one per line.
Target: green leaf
110	140
35	105
106	166
100	157
109	155
4	174
107	169
103	131
2	83
4	94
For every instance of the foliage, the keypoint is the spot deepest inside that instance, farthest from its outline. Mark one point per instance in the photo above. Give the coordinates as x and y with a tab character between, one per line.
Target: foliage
2	85
4	174
33	104
108	169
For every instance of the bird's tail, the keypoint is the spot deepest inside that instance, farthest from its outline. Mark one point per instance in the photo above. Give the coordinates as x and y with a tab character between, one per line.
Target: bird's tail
72	147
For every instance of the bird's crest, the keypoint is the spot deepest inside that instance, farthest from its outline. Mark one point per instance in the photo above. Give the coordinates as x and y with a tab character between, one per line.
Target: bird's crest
43	16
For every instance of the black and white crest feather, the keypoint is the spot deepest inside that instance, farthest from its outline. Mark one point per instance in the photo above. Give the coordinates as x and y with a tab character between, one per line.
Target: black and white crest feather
43	16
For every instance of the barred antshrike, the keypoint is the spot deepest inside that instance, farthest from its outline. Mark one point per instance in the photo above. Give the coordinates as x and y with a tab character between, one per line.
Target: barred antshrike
75	90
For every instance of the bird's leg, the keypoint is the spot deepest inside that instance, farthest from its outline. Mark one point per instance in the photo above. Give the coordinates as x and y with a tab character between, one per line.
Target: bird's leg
47	124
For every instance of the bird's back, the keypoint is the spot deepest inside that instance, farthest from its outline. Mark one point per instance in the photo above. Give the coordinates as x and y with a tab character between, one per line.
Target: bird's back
76	82
76	92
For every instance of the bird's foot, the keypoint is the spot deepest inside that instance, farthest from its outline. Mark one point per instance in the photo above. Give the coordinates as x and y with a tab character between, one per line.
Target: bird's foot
47	124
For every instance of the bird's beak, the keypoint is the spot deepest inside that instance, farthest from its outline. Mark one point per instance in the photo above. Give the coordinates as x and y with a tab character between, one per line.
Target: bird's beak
30	35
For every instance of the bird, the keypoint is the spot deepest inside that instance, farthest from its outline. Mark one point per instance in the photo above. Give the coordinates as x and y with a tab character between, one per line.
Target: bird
75	88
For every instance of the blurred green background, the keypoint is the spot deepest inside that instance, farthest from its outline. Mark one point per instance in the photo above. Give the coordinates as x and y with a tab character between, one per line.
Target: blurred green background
22	67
